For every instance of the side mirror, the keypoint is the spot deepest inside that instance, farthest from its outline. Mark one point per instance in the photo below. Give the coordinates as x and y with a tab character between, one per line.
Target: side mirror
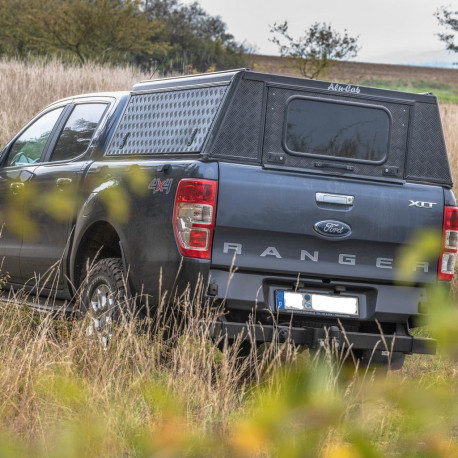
26	175
16	175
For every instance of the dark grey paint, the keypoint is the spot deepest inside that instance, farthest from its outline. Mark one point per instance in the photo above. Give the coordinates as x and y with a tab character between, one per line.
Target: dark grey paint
261	208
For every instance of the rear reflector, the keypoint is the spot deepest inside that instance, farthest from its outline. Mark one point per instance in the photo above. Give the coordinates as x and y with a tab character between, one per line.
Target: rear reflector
194	217
447	258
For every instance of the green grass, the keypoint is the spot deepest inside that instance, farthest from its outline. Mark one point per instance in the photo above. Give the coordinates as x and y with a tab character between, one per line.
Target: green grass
444	92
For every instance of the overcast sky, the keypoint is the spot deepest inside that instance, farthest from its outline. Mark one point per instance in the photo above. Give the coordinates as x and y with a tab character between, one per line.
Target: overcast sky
385	26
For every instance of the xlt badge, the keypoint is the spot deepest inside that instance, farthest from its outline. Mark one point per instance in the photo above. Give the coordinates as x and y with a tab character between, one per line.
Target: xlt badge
419	204
332	228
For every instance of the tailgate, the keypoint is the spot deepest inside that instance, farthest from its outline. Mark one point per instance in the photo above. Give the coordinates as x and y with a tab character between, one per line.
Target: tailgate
328	227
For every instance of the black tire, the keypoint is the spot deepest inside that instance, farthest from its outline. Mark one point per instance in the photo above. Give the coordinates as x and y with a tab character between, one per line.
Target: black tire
103	296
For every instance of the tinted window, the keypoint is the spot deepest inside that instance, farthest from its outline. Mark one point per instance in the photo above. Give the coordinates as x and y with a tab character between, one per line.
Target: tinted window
337	129
28	147
78	131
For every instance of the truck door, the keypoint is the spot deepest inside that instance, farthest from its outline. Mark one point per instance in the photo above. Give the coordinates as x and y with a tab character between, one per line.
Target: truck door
56	183
18	164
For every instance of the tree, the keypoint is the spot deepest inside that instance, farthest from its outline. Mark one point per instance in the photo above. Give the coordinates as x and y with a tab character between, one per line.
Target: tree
164	35
449	19
316	49
13	41
199	41
97	30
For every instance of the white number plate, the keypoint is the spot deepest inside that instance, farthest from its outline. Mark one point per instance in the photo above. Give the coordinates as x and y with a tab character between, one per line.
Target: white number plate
318	304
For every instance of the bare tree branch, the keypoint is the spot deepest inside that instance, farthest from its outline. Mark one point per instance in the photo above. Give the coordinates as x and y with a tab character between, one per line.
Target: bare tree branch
316	49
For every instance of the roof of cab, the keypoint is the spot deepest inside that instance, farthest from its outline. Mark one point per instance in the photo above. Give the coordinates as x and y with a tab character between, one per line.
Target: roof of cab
114	95
224	77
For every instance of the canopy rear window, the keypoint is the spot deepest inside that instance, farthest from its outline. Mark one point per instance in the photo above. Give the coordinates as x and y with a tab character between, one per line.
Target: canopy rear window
338	130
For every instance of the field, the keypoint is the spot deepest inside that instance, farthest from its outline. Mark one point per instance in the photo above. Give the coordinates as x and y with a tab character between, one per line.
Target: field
442	82
64	394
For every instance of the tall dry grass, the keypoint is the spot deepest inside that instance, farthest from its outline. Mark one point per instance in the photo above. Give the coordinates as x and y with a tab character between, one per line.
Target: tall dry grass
26	88
449	113
166	388
163	384
63	393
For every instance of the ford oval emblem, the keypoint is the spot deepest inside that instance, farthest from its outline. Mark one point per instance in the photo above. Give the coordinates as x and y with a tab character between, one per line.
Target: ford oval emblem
332	228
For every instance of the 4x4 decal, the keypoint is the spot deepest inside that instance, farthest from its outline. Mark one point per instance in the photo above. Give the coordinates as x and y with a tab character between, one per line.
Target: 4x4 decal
158	185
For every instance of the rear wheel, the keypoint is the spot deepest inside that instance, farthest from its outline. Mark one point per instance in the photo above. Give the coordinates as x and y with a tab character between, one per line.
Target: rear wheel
103	295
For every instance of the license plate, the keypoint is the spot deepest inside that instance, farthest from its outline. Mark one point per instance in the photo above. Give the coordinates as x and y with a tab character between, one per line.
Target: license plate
317	304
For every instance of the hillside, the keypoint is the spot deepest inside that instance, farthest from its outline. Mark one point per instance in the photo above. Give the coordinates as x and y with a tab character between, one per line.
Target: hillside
441	81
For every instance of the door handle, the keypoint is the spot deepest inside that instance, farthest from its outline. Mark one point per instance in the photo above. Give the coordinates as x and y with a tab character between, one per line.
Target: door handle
338	199
16	187
62	182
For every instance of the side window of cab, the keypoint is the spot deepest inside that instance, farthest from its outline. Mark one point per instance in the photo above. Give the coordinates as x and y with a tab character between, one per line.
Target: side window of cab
29	146
78	131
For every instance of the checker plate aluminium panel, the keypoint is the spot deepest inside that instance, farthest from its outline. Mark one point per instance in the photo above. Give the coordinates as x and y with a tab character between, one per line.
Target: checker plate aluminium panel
176	121
427	158
239	136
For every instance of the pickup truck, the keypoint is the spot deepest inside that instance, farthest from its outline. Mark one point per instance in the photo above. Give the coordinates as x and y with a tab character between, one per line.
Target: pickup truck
292	199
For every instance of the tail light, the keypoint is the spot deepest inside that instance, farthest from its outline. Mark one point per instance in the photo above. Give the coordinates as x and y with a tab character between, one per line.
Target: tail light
449	244
194	217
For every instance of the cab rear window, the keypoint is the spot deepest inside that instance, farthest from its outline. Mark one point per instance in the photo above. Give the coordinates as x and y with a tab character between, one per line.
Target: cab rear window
338	130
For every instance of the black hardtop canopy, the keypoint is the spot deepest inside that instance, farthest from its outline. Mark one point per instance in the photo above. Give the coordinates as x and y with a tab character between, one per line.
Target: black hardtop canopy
239	116
229	76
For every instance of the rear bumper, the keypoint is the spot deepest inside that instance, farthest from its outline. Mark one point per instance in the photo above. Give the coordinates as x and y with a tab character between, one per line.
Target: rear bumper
317	337
377	301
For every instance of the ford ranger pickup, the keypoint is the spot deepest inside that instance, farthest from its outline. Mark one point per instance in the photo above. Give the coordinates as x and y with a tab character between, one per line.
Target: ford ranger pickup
294	200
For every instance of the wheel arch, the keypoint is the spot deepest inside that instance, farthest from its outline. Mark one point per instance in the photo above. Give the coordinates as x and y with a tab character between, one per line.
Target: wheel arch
99	240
